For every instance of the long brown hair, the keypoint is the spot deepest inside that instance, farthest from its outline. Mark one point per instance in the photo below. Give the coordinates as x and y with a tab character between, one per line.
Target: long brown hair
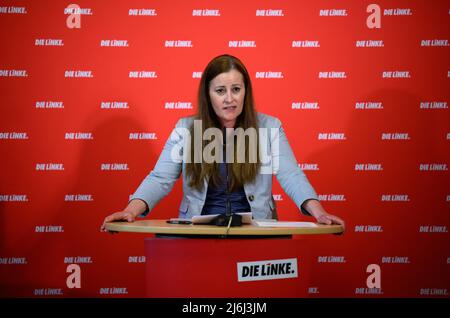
241	173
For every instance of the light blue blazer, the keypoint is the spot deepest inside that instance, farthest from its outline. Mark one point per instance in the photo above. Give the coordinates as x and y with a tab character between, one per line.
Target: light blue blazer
279	161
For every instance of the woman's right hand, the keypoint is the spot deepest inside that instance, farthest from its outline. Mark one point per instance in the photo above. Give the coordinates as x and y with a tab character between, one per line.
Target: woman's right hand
118	216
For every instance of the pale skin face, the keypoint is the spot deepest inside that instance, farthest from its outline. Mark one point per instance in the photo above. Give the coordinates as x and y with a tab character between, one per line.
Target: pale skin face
227	94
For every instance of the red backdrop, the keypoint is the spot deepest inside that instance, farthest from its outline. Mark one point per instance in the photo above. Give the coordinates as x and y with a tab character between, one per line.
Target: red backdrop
365	110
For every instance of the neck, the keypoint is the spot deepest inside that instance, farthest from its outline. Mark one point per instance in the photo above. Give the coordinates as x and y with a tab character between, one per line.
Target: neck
228	124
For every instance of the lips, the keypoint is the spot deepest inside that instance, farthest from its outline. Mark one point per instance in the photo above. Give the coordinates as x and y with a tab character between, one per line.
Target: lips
229	108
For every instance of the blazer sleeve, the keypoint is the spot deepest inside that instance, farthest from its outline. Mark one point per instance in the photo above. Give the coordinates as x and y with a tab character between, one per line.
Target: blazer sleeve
290	176
160	181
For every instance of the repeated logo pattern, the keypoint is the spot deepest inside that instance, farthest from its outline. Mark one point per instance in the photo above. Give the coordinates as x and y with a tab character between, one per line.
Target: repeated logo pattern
90	92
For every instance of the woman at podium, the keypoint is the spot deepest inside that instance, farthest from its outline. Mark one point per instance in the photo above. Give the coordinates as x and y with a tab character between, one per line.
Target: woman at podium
227	155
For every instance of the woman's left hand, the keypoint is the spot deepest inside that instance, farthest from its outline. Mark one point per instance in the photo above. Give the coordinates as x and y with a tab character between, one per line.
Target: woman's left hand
318	212
330	219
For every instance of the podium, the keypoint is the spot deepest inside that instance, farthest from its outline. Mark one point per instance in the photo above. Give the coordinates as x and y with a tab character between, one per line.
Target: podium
198	261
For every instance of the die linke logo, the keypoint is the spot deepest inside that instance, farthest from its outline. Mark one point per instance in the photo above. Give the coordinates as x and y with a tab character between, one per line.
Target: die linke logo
368	105
395	198
433	167
77	10
269	13
78	136
368	228
331	136
197	74
13	261
78	198
48	292
49	42
368	167
396	74
114	105
305	43
397	11
332	197
309	166
433	292
143	136
332	74
13	135
49	229
13	10
49	104
113	291
178	43
50	167
433	229
434	42
369	43
78	74
78	260
241	43
333	13
267	270
142	74
331	259
13	198
142	12
433	105
206	13
13	73
395	260
305	105
114	43
136	259
114	167
178	105
395	136
269	74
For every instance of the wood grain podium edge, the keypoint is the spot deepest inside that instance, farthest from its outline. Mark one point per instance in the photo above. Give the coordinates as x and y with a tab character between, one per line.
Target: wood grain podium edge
161	227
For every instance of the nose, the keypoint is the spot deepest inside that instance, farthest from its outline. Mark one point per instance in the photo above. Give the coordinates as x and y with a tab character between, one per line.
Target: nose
228	97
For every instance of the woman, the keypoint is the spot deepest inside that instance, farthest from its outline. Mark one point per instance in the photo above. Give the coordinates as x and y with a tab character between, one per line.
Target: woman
225	103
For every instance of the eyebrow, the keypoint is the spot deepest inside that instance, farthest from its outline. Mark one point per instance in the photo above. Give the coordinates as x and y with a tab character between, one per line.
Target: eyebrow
222	86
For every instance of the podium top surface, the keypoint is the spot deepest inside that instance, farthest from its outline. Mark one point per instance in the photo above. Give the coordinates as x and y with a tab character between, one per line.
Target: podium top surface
161	227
